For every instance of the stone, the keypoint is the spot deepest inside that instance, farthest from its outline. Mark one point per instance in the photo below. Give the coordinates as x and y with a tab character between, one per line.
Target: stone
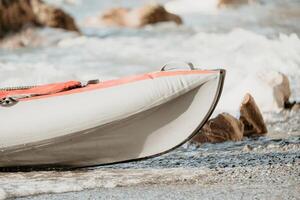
152	14
220	129
247	148
252	118
138	17
47	15
15	15
281	88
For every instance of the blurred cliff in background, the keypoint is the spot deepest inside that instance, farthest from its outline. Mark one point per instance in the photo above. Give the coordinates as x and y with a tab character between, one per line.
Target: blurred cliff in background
19	15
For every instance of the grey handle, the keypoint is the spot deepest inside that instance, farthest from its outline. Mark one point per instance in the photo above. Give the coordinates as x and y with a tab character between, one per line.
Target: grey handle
189	64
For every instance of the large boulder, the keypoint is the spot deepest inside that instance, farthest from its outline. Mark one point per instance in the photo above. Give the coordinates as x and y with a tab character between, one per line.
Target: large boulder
281	89
252	118
139	17
220	129
17	14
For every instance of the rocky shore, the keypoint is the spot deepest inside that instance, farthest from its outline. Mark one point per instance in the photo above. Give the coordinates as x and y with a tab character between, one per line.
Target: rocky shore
265	182
269	165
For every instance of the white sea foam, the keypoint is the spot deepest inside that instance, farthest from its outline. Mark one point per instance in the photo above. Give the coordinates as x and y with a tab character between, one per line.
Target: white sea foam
33	183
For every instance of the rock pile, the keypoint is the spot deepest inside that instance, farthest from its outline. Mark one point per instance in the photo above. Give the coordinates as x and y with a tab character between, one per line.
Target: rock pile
220	129
250	123
138	17
226	127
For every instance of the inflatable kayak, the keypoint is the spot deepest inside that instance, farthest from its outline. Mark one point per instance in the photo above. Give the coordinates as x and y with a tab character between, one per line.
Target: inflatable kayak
74	125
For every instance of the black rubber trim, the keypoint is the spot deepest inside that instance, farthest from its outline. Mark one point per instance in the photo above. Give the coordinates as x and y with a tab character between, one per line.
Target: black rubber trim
67	167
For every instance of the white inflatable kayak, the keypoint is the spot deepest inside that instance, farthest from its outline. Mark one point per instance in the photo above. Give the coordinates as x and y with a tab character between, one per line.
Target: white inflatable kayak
113	121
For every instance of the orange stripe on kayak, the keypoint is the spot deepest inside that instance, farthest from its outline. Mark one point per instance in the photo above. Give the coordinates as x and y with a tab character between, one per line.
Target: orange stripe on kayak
121	81
47	89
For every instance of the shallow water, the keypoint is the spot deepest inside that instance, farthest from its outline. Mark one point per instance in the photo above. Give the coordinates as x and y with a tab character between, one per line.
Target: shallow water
249	42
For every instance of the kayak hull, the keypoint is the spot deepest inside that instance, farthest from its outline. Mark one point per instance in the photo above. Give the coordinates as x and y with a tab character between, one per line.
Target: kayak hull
151	132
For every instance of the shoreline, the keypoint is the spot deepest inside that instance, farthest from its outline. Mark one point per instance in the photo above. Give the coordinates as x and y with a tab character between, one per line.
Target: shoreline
278	181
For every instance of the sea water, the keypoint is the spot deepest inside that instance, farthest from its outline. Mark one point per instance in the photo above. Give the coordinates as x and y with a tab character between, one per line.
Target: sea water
249	41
